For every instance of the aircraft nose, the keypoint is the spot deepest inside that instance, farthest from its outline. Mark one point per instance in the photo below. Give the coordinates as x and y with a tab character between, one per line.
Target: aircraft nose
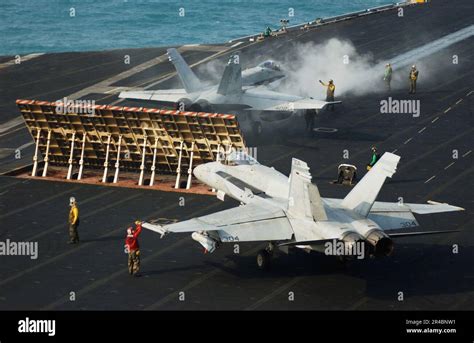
200	172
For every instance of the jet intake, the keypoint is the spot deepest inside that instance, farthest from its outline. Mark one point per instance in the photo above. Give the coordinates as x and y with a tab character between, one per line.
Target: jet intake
382	244
208	243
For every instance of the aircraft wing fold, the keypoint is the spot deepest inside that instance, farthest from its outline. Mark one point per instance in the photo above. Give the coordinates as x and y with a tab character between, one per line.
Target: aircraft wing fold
250	222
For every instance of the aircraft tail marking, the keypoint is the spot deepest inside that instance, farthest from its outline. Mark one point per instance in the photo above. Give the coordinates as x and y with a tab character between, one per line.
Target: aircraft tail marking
190	81
304	199
364	194
231	82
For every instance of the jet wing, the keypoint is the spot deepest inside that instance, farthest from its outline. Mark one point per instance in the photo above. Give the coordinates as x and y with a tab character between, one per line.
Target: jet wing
431	207
167	95
250	222
303	104
391	216
419	233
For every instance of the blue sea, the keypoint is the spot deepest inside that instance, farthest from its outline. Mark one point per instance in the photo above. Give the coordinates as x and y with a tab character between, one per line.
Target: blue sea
31	26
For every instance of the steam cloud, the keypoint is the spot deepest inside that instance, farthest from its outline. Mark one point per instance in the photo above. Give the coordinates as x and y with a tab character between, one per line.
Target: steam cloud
308	63
353	72
361	74
337	60
211	72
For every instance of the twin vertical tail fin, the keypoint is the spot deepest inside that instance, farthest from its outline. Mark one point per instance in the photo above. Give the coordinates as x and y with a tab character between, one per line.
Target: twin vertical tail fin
363	196
190	81
231	82
304	200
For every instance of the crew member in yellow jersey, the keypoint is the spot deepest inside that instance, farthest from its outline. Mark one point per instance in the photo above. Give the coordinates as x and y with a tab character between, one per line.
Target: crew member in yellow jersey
331	88
73	221
413	77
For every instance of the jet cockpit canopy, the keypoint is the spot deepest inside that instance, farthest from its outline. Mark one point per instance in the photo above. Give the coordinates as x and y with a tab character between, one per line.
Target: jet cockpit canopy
269	64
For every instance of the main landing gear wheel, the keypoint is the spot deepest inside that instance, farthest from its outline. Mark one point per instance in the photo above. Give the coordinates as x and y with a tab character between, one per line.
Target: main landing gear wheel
263	259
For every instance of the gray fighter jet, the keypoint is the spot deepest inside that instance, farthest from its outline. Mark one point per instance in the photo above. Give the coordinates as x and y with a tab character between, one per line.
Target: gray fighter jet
237	92
195	95
289	212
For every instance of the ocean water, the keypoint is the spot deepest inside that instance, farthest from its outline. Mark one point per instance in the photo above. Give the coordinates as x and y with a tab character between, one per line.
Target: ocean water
29	26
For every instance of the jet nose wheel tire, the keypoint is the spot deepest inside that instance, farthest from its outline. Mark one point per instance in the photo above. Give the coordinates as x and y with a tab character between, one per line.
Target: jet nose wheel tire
263	259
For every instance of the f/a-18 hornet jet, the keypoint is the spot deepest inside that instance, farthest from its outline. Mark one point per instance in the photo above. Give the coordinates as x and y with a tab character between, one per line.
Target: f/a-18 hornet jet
237	92
289	212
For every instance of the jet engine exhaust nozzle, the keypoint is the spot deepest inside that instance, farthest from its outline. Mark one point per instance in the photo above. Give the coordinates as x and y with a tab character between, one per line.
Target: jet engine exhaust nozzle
382	244
353	243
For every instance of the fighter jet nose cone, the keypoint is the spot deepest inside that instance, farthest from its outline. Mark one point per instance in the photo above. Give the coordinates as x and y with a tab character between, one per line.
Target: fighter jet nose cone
199	172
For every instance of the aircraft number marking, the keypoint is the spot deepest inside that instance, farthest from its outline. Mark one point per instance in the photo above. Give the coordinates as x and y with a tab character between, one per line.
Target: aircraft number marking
408	224
230	239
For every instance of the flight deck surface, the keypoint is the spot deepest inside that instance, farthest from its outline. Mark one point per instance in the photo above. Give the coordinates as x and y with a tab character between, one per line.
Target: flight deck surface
425	269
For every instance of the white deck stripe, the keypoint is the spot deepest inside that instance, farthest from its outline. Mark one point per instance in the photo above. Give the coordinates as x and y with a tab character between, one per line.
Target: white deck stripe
431	178
23	59
449	165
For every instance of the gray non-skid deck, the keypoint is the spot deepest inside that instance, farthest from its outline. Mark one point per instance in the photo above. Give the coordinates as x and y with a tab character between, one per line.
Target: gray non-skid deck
425	269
